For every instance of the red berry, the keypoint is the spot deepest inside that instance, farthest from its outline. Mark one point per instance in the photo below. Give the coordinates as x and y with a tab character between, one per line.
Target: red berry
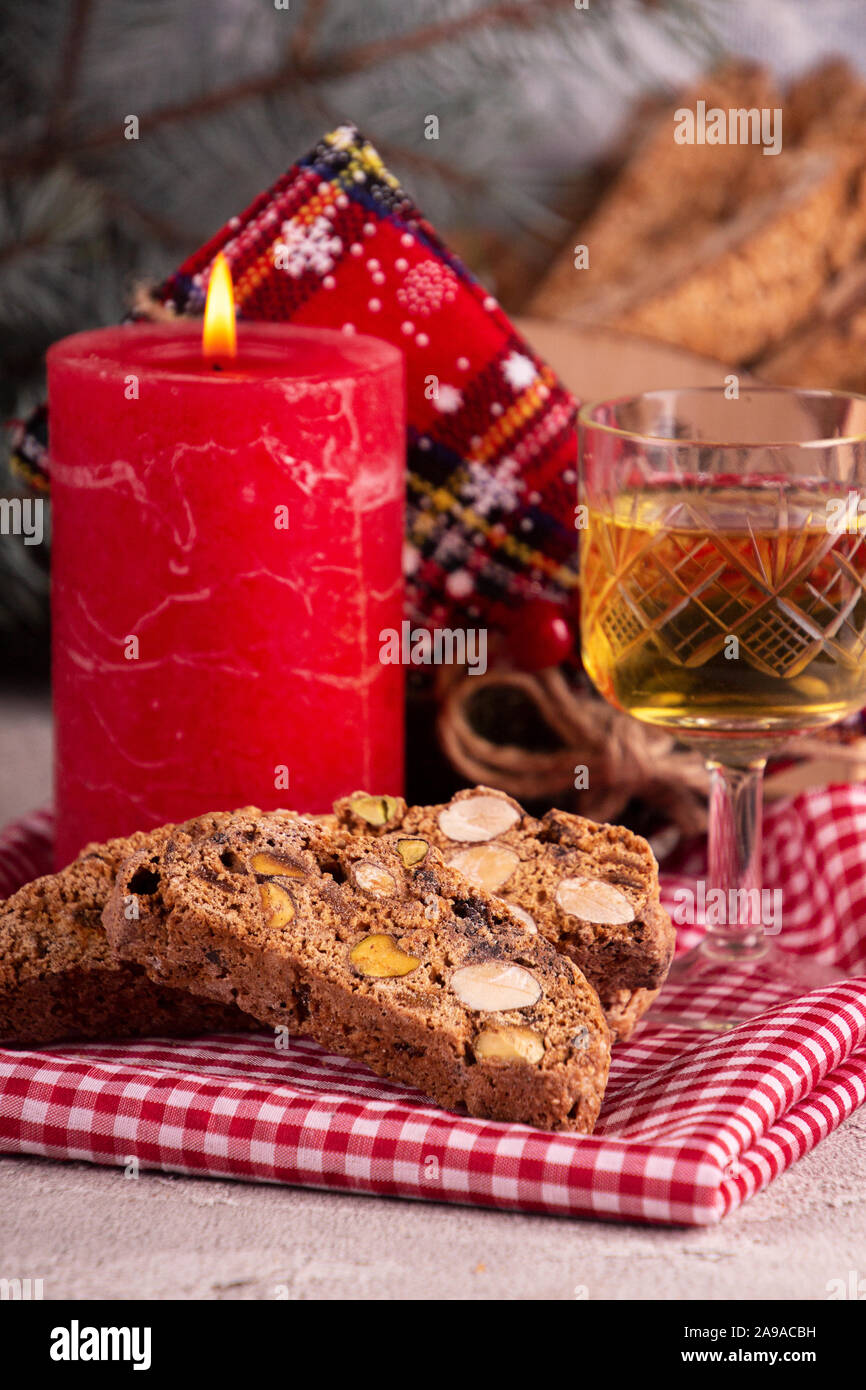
539	635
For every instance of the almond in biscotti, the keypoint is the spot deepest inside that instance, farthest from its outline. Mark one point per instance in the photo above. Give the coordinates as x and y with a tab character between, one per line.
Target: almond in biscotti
404	968
495	986
373	878
522	915
594	901
509	1045
488	866
473	819
591	890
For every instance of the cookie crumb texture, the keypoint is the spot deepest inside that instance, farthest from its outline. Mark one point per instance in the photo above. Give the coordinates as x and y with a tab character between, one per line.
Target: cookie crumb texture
591	890
59	979
403	966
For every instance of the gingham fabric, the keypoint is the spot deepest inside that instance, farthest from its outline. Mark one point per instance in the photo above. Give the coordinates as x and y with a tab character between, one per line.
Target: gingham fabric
691	1126
492	447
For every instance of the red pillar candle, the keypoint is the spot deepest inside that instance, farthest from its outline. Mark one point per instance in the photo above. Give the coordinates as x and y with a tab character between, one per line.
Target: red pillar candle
226	550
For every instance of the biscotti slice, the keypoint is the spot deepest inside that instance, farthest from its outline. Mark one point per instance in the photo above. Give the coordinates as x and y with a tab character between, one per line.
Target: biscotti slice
739	288
624	1009
826	105
58	976
591	890
662	187
829	351
389	958
831	355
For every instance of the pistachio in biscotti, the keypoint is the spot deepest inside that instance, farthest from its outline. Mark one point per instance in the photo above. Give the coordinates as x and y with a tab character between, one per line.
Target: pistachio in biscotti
412	851
377	811
272	867
380	956
277	905
406	983
591	890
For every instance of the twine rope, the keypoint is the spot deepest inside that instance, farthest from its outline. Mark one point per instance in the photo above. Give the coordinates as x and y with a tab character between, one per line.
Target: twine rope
624	758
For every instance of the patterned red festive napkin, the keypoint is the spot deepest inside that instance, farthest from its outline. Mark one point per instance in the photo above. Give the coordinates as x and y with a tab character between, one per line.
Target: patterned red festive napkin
691	1126
337	243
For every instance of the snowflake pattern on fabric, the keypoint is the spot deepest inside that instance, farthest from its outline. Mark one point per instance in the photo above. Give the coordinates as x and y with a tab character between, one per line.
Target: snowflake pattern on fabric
451	548
337	243
447	399
460	584
519	371
493	489
313	246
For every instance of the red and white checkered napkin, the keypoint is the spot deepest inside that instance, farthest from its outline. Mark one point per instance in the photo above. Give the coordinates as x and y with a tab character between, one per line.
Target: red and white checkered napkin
692	1123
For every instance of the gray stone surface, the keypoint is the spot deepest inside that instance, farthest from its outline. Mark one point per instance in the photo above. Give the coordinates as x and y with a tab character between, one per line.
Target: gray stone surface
25	754
92	1233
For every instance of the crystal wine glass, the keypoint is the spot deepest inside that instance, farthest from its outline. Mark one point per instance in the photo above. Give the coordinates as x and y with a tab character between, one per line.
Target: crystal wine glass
723	598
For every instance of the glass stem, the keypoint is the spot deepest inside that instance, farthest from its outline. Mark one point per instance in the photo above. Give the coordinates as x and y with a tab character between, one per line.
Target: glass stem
733	906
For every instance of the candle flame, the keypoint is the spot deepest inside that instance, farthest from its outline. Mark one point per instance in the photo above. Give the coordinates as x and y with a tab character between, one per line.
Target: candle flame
219	337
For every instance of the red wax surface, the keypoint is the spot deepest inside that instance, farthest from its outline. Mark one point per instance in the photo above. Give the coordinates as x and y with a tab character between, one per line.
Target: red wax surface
198	647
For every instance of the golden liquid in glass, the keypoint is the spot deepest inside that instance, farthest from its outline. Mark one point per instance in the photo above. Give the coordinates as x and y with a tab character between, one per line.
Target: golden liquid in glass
726	609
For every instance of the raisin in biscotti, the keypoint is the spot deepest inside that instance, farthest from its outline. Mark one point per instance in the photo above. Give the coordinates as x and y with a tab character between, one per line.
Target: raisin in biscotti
592	890
375	950
58	976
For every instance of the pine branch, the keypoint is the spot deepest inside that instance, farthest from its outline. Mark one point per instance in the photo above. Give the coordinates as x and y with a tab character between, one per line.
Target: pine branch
394	153
304	38
70	67
365	55
165	231
288	74
36	241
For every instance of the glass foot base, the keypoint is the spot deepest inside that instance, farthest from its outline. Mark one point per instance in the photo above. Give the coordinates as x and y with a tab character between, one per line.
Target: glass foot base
717	985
